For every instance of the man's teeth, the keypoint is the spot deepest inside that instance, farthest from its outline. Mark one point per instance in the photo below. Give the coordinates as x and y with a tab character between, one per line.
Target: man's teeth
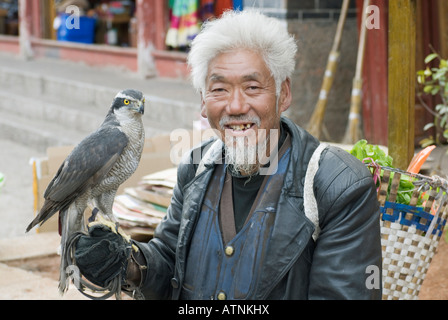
240	127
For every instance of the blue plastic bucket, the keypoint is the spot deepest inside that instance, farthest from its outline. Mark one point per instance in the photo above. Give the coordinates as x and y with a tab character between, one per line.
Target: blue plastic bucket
70	30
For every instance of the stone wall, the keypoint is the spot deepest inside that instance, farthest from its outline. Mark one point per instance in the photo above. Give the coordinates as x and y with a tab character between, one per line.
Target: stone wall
315	39
313	23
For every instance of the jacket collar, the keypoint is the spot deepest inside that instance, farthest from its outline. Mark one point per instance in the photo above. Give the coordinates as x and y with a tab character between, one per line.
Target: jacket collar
302	147
302	142
213	156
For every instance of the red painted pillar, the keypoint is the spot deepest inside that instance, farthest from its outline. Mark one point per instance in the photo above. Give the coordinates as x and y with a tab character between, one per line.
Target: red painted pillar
35	15
151	22
25	28
375	87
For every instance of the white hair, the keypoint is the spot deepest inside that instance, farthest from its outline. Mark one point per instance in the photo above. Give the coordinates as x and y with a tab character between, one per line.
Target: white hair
248	29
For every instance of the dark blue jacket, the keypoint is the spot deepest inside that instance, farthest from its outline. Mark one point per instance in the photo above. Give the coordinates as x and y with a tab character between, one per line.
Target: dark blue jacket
296	267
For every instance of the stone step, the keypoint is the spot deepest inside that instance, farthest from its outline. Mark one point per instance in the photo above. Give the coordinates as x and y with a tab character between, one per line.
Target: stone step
54	89
39	110
39	135
91	99
53	102
49	103
40	124
172	104
110	77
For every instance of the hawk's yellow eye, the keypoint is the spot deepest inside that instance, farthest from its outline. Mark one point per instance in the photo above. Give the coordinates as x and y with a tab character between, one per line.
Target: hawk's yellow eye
126	101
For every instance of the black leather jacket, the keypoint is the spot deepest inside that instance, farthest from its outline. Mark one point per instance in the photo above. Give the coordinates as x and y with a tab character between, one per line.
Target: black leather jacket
296	267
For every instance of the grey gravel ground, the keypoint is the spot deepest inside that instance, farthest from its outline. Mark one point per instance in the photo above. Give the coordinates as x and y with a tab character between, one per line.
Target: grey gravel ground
16	195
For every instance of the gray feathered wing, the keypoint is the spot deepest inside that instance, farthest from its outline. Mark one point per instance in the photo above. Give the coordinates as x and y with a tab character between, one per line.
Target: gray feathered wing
84	167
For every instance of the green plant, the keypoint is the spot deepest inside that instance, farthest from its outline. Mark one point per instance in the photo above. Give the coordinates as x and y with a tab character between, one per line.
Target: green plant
368	153
434	82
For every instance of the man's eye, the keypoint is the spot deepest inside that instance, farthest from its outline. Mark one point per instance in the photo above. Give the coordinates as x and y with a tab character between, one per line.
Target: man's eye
253	89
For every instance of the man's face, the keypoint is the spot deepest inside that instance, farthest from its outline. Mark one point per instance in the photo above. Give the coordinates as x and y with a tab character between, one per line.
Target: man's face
241	103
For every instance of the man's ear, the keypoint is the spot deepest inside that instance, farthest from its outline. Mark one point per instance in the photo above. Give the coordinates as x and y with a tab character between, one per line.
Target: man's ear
203	110
285	96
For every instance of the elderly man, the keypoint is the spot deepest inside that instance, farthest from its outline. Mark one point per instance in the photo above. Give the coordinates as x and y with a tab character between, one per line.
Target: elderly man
265	211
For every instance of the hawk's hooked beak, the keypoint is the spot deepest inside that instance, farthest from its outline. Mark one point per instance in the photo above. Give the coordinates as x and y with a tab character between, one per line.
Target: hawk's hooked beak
141	108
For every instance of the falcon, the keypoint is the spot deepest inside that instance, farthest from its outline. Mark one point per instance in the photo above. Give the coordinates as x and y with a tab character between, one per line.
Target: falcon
94	170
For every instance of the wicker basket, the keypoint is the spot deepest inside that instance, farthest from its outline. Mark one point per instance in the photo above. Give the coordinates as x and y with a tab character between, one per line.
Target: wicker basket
409	234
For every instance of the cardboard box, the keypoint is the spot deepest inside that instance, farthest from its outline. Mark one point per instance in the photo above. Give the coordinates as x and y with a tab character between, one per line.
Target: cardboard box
155	157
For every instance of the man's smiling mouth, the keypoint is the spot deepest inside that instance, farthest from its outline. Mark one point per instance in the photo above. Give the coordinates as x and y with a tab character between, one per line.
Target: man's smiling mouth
239	127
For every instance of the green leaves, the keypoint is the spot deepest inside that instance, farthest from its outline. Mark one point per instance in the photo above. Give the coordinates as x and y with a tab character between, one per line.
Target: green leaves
362	150
431	57
405	190
435	77
367	152
434	82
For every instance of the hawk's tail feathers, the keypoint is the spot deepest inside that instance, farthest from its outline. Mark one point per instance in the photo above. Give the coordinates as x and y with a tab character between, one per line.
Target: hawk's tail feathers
47	211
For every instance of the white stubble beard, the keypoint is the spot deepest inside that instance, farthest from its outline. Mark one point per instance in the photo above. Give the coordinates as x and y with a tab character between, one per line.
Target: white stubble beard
242	154
246	155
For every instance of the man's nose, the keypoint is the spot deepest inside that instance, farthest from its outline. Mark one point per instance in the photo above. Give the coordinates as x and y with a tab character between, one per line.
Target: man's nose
237	103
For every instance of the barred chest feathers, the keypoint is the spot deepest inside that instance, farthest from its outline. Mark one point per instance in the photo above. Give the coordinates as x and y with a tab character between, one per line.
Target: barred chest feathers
128	162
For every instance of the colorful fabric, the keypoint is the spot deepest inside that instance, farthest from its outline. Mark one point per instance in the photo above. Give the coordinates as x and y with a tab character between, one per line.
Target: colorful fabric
187	16
184	23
